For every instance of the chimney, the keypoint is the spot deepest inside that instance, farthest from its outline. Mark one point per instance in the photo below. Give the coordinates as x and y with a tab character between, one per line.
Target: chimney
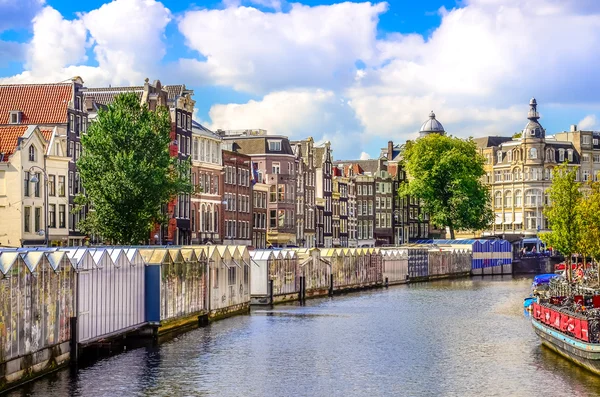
390	152
573	127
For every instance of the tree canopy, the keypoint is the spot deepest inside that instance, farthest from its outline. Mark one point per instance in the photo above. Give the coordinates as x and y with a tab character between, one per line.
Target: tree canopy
564	214
127	171
445	173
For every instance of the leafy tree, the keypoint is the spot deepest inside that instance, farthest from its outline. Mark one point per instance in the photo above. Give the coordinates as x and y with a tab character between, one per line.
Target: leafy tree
127	171
589	210
445	173
518	134
563	214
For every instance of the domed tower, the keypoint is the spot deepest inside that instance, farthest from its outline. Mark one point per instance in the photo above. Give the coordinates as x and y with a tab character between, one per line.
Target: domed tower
431	126
533	129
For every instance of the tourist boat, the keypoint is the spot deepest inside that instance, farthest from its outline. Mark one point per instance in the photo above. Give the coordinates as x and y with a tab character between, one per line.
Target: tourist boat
566	317
540	283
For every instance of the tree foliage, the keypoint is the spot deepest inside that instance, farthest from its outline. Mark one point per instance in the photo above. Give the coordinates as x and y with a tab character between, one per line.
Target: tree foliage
589	216
127	171
445	173
564	214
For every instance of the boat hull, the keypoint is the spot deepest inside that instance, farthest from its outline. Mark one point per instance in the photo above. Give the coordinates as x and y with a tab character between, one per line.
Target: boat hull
582	353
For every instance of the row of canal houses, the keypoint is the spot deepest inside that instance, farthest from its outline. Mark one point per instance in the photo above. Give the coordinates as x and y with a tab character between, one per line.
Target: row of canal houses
65	303
251	188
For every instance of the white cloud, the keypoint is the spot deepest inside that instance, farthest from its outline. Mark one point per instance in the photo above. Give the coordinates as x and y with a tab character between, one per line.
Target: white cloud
126	37
364	156
261	52
589	122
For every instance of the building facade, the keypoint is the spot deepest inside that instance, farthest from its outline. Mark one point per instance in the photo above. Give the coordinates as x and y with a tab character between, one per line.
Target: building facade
274	163
207	179
519	172
260	194
60	107
33	187
237	199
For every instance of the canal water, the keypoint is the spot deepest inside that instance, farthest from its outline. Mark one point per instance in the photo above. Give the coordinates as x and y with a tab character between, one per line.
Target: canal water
445	338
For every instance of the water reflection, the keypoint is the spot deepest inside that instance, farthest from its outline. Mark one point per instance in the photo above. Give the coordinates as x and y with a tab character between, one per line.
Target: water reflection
446	338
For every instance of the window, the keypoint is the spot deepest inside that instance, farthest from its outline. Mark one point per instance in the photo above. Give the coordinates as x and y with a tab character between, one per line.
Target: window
71	183
27	219
52	185
507	175
597	158
586	175
26	184
275	168
72	123
518	198
78	125
497	176
62	216
272	219
533	153
586	140
37	220
36	185
549	155
509	156
15	117
585	158
570	155
31	153
508	199
595	141
498	199
561	155
61	185
275	146
71	150
533	198
499	154
52	215
178	119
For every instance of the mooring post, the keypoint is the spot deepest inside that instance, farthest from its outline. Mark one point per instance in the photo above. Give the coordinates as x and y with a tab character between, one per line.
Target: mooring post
386	282
301	292
270	292
331	285
74	346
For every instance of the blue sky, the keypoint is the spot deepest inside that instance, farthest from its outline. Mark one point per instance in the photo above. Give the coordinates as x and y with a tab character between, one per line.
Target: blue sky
357	74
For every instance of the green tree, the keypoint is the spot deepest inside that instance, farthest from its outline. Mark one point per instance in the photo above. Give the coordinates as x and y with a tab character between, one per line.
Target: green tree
518	134
563	214
127	171
589	211
445	173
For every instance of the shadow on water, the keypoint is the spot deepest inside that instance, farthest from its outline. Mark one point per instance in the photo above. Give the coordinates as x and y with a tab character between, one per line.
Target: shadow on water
454	337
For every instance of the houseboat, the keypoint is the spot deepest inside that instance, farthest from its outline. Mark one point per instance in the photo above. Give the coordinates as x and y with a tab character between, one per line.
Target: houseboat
566	317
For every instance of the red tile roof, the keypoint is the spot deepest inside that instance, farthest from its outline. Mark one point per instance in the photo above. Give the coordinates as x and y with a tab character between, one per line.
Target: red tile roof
9	137
47	132
40	103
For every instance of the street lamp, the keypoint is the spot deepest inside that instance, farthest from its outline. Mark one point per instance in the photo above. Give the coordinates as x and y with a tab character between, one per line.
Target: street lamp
34	179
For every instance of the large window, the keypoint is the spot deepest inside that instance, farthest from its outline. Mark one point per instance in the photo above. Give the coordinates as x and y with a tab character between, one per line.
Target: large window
52	215
36	185
27	219
533	153
275	168
518	198
533	198
275	146
26	184
508	199
497	199
62	216
52	185
31	153
37	220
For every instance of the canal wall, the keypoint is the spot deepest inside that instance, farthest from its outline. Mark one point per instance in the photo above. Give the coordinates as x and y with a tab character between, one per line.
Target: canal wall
74	304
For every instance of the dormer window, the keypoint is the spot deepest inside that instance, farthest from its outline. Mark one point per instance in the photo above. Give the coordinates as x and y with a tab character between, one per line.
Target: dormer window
15	117
499	156
275	146
561	155
570	155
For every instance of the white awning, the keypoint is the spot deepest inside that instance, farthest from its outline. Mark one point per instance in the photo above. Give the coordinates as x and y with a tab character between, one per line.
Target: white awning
518	217
498	219
508	218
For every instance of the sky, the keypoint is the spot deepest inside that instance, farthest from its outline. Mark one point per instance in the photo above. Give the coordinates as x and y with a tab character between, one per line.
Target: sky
357	74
